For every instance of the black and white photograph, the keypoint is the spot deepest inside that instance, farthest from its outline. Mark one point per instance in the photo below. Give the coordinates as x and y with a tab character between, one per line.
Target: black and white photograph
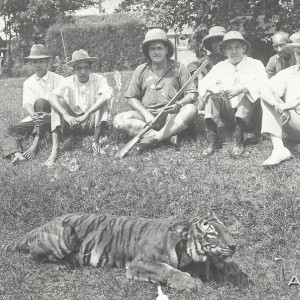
150	150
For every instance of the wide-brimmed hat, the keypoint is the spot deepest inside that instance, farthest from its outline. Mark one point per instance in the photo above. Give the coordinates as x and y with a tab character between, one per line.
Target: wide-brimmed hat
233	36
80	56
156	34
295	38
38	51
216	31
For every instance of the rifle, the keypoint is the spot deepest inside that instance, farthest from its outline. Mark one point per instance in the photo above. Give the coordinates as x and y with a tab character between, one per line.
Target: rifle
122	152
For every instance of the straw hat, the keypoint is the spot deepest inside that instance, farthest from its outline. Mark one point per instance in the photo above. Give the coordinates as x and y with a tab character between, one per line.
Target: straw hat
153	35
216	31
80	56
38	51
295	38
233	36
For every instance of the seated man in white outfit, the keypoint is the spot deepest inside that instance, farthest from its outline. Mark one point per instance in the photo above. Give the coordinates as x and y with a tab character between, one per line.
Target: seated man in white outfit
281	106
80	102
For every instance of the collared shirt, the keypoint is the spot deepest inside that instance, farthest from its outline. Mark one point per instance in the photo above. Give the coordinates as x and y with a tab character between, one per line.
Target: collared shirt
154	92
286	84
39	87
277	63
249	72
81	96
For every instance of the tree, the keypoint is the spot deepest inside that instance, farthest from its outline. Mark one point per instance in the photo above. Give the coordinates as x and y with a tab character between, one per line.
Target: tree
245	15
134	5
30	19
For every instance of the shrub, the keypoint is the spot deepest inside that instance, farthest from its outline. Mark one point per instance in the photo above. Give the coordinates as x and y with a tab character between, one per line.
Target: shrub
115	44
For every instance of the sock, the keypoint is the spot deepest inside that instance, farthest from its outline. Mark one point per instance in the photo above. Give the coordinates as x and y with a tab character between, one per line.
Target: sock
277	142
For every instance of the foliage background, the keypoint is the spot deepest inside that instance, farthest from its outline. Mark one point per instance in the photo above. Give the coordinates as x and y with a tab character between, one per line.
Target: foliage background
114	41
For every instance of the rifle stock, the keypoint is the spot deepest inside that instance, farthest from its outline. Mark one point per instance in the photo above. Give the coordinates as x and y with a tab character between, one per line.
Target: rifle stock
122	152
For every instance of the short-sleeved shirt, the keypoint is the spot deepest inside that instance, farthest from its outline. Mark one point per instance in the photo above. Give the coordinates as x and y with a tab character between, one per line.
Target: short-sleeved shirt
40	87
250	72
277	63
154	92
286	84
81	96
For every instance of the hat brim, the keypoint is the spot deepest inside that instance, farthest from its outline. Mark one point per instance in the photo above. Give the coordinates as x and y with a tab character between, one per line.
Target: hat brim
37	57
145	44
206	40
222	45
73	63
290	47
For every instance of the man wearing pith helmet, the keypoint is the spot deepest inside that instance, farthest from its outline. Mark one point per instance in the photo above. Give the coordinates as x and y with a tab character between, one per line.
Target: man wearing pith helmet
231	93
36	93
80	103
211	43
281	106
152	86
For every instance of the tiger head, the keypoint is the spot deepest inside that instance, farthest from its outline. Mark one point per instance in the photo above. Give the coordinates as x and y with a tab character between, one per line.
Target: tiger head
208	237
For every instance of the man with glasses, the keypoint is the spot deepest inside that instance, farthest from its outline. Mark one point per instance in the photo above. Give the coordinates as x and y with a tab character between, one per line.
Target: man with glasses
80	103
152	86
36	92
231	93
282	59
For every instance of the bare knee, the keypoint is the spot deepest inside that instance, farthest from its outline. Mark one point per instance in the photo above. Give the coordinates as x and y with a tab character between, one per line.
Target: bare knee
42	105
118	122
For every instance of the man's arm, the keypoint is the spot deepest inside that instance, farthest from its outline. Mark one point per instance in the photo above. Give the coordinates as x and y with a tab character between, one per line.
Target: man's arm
270	67
55	103
136	105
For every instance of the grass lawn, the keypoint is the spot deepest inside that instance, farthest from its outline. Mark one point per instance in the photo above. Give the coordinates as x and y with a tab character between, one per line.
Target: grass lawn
260	207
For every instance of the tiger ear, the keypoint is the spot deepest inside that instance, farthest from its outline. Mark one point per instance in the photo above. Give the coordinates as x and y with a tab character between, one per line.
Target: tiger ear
182	230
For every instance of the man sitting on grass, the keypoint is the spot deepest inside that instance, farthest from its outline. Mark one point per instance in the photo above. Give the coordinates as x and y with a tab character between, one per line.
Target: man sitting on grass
152	86
281	106
231	93
36	92
80	103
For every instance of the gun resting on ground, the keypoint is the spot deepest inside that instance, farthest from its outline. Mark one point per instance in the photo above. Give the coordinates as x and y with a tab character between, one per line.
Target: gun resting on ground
122	152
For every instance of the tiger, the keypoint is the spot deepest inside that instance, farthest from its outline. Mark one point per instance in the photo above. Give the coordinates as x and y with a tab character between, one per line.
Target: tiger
164	251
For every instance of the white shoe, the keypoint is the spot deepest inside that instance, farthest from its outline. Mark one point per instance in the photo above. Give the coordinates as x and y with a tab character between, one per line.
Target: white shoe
277	157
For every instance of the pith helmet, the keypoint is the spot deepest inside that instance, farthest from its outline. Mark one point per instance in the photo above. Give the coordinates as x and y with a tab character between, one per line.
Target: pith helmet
295	38
38	51
216	31
233	36
156	34
79	56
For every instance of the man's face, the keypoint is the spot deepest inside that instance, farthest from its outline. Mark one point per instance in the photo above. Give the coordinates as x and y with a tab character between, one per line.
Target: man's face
279	41
157	52
235	51
297	54
83	71
215	41
40	66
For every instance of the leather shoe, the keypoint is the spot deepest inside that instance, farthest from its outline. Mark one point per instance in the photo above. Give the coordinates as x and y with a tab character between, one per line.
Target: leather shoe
237	150
209	150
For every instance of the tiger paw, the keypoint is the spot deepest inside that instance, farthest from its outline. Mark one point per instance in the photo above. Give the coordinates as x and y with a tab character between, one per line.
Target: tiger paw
184	281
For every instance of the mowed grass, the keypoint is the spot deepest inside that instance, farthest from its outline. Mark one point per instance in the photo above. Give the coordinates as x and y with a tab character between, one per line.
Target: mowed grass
259	206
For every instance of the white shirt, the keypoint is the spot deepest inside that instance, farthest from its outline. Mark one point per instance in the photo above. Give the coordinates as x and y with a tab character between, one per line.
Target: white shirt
81	96
286	84
249	72
40	87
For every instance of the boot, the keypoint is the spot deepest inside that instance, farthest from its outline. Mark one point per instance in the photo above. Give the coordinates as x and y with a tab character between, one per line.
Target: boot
238	145
213	142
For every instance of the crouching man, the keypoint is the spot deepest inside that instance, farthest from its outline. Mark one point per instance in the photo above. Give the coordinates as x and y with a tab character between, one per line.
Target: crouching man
36	92
281	106
231	93
152	86
80	102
